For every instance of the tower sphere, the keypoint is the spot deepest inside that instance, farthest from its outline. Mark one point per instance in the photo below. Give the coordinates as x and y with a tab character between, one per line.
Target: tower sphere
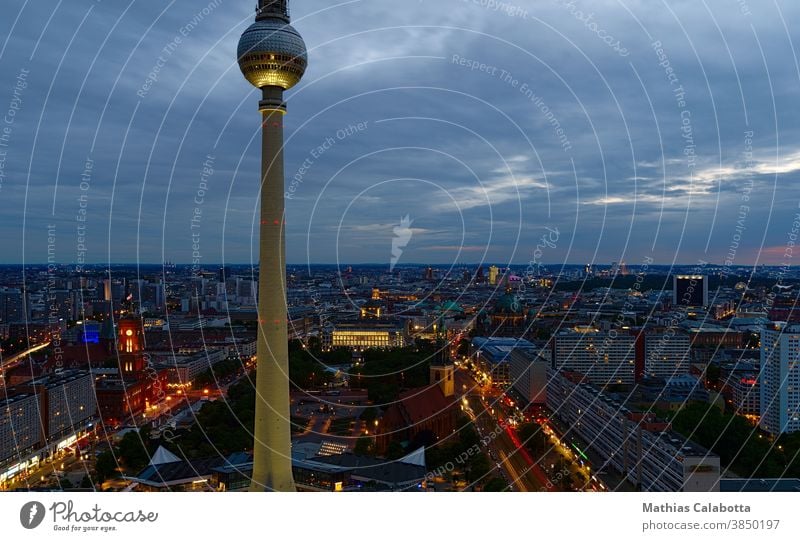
272	53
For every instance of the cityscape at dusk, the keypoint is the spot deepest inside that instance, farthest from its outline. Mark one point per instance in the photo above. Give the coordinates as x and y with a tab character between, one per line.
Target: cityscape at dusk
461	247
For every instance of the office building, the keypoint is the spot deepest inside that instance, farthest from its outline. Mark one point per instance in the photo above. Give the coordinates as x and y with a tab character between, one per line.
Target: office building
363	335
635	443
492	356
666	355
745	394
604	357
67	402
20	429
13	306
528	372
690	291
494	272
780	379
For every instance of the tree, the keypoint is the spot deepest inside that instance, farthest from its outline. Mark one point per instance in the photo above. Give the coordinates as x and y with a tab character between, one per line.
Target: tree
219	371
86	482
386	372
369	415
712	374
395	451
496	485
132	451
463	347
365	446
106	466
739	445
478	467
534	438
567	481
314	344
467	434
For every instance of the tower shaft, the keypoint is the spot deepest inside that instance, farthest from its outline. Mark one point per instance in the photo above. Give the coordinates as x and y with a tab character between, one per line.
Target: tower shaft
272	460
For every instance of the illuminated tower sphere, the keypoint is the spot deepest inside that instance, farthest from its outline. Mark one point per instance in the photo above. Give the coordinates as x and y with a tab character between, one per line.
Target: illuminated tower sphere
272	57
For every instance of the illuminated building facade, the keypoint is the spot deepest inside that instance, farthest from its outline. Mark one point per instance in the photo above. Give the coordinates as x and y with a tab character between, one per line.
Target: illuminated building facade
66	401
605	358
746	394
372	309
666	355
364	335
20	430
780	379
131	337
494	272
13	305
492	355
130	342
137	386
634	443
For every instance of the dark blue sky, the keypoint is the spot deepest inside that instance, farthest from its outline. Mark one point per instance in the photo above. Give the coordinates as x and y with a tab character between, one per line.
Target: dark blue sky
625	125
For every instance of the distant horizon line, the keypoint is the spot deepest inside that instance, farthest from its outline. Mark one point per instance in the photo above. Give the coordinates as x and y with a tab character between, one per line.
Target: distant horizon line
208	266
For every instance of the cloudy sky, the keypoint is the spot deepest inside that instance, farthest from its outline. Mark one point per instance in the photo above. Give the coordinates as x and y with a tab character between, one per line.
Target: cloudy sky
634	128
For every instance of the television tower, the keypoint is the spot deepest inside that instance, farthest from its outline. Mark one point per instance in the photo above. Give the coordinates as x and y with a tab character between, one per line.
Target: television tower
272	57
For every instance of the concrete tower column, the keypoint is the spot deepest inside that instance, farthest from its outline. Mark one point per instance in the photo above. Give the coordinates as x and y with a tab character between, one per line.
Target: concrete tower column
272	461
272	57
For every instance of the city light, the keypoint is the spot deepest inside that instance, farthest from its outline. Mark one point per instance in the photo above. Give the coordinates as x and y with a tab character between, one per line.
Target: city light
437	263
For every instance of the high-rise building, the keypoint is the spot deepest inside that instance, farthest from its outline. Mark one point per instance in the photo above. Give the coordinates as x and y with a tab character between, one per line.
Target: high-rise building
746	394
59	304
154	295
13	306
223	274
604	357
66	402
666	355
690	290
246	290
494	272
20	429
528	369
780	379
634	442
272	57
114	290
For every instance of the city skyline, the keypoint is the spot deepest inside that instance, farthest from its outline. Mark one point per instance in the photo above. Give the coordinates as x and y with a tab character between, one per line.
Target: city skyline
457	246
511	132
